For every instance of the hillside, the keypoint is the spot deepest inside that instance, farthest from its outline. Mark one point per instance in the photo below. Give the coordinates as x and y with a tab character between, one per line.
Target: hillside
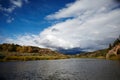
112	52
17	52
96	54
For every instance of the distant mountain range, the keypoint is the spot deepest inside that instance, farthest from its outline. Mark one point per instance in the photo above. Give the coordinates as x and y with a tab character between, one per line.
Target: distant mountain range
71	51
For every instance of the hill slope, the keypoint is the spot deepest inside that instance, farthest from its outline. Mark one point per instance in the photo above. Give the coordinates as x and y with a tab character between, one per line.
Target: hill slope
113	52
17	52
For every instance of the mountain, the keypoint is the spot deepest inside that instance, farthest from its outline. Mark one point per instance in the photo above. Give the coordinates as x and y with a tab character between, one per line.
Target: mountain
72	51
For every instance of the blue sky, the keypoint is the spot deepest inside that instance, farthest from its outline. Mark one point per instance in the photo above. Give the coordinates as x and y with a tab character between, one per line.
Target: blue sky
29	17
60	24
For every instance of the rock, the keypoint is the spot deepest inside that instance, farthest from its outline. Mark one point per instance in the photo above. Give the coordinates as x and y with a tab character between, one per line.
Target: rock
114	51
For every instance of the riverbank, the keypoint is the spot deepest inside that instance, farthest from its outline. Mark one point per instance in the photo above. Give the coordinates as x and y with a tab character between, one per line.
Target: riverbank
29	58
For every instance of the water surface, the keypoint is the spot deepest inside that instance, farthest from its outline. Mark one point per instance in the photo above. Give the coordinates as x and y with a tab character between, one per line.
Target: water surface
66	69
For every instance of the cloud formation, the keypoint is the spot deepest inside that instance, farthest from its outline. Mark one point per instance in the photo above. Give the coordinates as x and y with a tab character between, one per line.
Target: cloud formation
13	4
9	20
17	3
84	7
89	25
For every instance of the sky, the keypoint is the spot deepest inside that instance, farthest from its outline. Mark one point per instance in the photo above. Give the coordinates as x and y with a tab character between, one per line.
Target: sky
67	25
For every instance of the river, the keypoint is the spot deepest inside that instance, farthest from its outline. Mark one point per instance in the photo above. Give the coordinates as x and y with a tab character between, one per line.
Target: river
65	69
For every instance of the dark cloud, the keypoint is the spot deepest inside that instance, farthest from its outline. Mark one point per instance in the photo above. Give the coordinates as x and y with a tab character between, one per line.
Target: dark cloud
118	1
54	30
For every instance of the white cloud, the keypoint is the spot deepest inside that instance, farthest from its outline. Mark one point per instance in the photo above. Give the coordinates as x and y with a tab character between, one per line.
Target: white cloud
17	3
81	7
27	39
10	9
10	19
94	24
13	5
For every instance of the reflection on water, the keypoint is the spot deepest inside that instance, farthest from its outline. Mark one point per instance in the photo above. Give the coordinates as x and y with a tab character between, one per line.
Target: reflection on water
67	69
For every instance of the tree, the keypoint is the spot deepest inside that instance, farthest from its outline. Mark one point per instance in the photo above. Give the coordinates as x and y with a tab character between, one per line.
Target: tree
110	46
19	49
117	41
30	50
4	47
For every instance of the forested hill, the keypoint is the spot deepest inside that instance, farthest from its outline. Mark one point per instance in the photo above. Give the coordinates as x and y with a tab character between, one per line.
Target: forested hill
17	50
13	52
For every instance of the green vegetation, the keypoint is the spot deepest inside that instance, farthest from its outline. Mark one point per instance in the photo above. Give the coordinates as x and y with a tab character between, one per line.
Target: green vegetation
14	52
28	58
17	48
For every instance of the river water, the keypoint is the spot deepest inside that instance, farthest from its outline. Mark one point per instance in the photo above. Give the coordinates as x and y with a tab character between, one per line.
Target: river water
65	69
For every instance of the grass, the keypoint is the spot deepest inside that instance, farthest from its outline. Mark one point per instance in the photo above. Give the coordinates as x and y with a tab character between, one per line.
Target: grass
114	58
28	58
4	58
100	57
13	56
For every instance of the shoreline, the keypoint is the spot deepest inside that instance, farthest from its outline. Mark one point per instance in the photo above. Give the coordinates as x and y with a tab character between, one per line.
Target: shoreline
36	58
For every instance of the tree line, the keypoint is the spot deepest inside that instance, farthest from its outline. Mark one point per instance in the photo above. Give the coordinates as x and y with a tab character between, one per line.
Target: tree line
116	42
5	47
